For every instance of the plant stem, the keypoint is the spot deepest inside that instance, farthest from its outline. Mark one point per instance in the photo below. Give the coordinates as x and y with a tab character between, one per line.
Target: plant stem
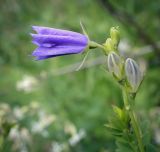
95	45
134	121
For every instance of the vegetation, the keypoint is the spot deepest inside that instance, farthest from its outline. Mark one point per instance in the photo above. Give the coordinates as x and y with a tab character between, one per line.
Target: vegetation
71	106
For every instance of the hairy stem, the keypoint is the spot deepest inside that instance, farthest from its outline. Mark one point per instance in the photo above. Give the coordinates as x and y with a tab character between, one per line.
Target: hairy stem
134	121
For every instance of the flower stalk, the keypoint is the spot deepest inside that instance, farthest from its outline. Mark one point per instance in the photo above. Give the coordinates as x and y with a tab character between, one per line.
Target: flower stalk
93	44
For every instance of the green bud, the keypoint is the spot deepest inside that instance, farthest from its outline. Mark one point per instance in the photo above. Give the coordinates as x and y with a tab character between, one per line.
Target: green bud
115	65
115	36
108	45
119	112
133	74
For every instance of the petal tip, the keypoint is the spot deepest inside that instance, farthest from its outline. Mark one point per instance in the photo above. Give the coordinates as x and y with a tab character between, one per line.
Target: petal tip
34	28
31	34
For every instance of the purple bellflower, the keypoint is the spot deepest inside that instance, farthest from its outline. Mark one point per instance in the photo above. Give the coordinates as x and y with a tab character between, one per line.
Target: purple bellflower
53	42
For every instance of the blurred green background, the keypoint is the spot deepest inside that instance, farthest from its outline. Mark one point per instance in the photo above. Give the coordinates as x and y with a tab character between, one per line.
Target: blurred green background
54	108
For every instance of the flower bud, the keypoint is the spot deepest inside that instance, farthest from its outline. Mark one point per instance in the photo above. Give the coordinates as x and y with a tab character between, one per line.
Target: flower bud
133	74
115	36
115	65
109	45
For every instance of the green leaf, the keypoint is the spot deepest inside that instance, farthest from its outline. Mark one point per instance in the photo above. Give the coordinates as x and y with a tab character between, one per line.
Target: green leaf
123	147
114	131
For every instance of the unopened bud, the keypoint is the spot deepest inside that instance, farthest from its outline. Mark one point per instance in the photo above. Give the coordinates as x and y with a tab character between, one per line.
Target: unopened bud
133	74
115	36
115	65
108	45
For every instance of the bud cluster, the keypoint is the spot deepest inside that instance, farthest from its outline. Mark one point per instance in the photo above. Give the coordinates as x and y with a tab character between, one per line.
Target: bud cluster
126	71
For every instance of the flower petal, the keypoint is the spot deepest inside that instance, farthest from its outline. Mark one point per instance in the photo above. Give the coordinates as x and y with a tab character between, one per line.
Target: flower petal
53	31
58	50
40	39
48	56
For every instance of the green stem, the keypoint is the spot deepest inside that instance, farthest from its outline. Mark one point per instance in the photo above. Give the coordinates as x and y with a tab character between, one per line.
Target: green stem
134	121
95	45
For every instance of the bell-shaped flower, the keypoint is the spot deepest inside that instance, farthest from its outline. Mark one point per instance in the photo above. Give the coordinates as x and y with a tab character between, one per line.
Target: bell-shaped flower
53	42
133	74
